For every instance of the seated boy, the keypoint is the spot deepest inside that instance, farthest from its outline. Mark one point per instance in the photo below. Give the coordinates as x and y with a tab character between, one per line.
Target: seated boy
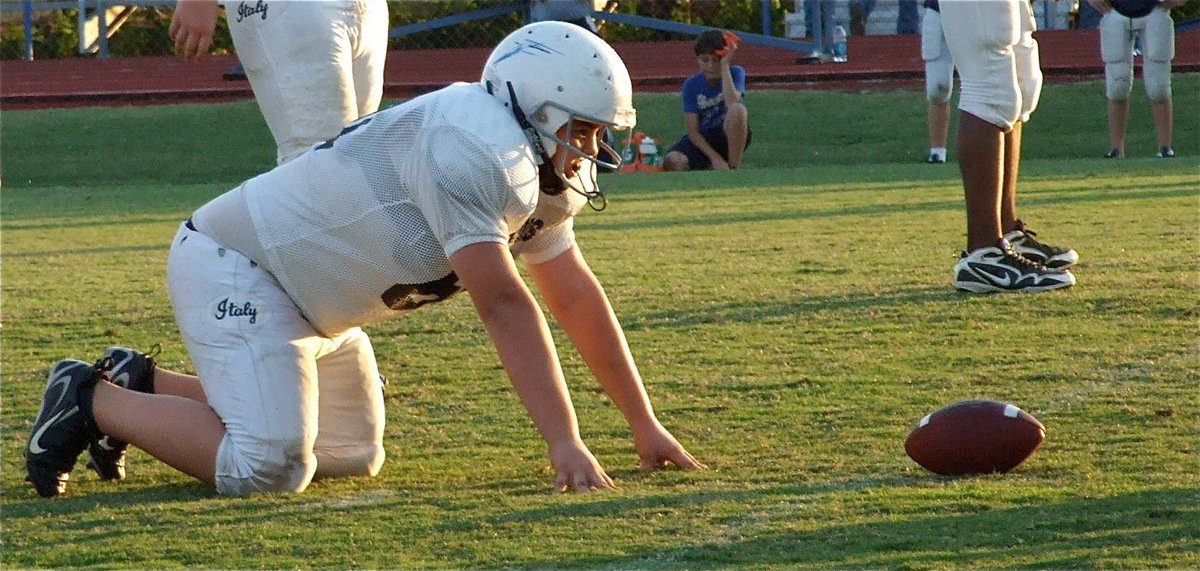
714	117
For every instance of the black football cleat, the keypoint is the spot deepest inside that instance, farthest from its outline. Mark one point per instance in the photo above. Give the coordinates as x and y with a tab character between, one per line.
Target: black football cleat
1024	241
62	428
128	369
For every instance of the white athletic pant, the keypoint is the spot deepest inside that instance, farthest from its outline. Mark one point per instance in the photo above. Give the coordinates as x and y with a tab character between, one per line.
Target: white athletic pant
996	56
314	65
1157	31
295	404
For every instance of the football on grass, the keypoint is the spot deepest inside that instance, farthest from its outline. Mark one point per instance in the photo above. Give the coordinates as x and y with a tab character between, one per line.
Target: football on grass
974	437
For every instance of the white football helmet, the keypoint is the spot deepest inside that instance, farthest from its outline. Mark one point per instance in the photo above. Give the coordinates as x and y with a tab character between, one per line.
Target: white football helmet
552	73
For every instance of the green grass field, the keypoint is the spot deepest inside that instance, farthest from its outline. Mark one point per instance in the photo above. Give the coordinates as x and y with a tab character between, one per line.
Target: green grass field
793	320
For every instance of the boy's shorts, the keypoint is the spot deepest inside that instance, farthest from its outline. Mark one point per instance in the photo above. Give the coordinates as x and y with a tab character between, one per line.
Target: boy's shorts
697	160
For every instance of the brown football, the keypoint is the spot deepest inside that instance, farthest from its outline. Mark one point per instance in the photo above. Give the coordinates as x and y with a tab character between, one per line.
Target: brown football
974	437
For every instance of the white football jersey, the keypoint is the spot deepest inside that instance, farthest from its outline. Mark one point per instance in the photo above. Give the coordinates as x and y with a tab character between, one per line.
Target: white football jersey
361	227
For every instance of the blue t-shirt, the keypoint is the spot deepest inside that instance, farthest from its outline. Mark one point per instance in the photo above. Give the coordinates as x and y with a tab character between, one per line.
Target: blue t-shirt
706	100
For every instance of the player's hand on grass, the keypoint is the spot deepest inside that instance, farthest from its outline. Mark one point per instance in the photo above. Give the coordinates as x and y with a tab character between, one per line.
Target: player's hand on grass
719	164
192	27
577	469
657	448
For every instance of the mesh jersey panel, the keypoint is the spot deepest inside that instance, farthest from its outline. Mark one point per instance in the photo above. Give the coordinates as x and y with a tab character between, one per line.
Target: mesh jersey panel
361	228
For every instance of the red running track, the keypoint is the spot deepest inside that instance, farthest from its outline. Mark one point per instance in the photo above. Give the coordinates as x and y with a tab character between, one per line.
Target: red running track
876	62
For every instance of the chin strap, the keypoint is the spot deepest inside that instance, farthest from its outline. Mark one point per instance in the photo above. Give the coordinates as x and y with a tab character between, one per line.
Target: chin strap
551	181
531	133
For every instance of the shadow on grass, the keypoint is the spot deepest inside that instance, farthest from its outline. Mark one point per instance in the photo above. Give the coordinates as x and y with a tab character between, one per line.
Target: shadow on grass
1078	533
1061	197
752	311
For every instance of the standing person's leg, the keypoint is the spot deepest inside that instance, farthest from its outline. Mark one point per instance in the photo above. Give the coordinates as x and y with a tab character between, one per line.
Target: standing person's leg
1158	39
981	36
1116	49
298	58
370	55
988	41
1029	81
827	23
939	80
980	147
737	129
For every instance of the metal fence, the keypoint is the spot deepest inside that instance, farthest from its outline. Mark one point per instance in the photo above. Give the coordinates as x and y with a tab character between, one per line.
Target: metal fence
67	28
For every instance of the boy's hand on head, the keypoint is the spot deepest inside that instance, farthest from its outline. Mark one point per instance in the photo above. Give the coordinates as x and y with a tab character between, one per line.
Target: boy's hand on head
657	448
576	469
731	46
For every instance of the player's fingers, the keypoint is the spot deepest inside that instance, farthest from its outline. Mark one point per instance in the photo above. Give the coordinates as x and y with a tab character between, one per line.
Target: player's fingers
688	462
180	43
173	31
205	43
580	483
190	42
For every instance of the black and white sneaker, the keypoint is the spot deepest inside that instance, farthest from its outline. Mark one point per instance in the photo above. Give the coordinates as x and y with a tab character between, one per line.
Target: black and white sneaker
131	370
1024	241
1166	153
1114	153
63	427
1001	269
935	159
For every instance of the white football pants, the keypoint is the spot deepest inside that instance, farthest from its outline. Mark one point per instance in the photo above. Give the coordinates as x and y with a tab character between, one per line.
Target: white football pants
996	56
314	65
295	404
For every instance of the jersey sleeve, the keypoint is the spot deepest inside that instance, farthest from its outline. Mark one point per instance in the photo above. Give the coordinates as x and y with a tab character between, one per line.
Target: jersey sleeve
467	193
548	244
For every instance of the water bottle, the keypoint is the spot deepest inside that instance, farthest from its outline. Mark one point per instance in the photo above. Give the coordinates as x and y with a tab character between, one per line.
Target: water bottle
839	43
649	151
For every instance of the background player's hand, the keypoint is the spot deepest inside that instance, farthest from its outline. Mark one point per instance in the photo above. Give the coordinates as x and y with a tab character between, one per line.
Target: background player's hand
576	469
656	448
192	27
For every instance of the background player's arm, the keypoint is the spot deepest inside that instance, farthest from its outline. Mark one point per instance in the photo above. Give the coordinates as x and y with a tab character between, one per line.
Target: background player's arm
192	27
579	304
519	332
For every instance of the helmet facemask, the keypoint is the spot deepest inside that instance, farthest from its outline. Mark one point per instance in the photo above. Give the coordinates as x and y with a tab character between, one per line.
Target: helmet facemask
583	181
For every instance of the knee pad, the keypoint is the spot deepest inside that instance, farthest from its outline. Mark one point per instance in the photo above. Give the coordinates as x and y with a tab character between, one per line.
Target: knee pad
1029	77
937	91
363	460
1118	79
1158	37
1157	77
937	81
280	466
